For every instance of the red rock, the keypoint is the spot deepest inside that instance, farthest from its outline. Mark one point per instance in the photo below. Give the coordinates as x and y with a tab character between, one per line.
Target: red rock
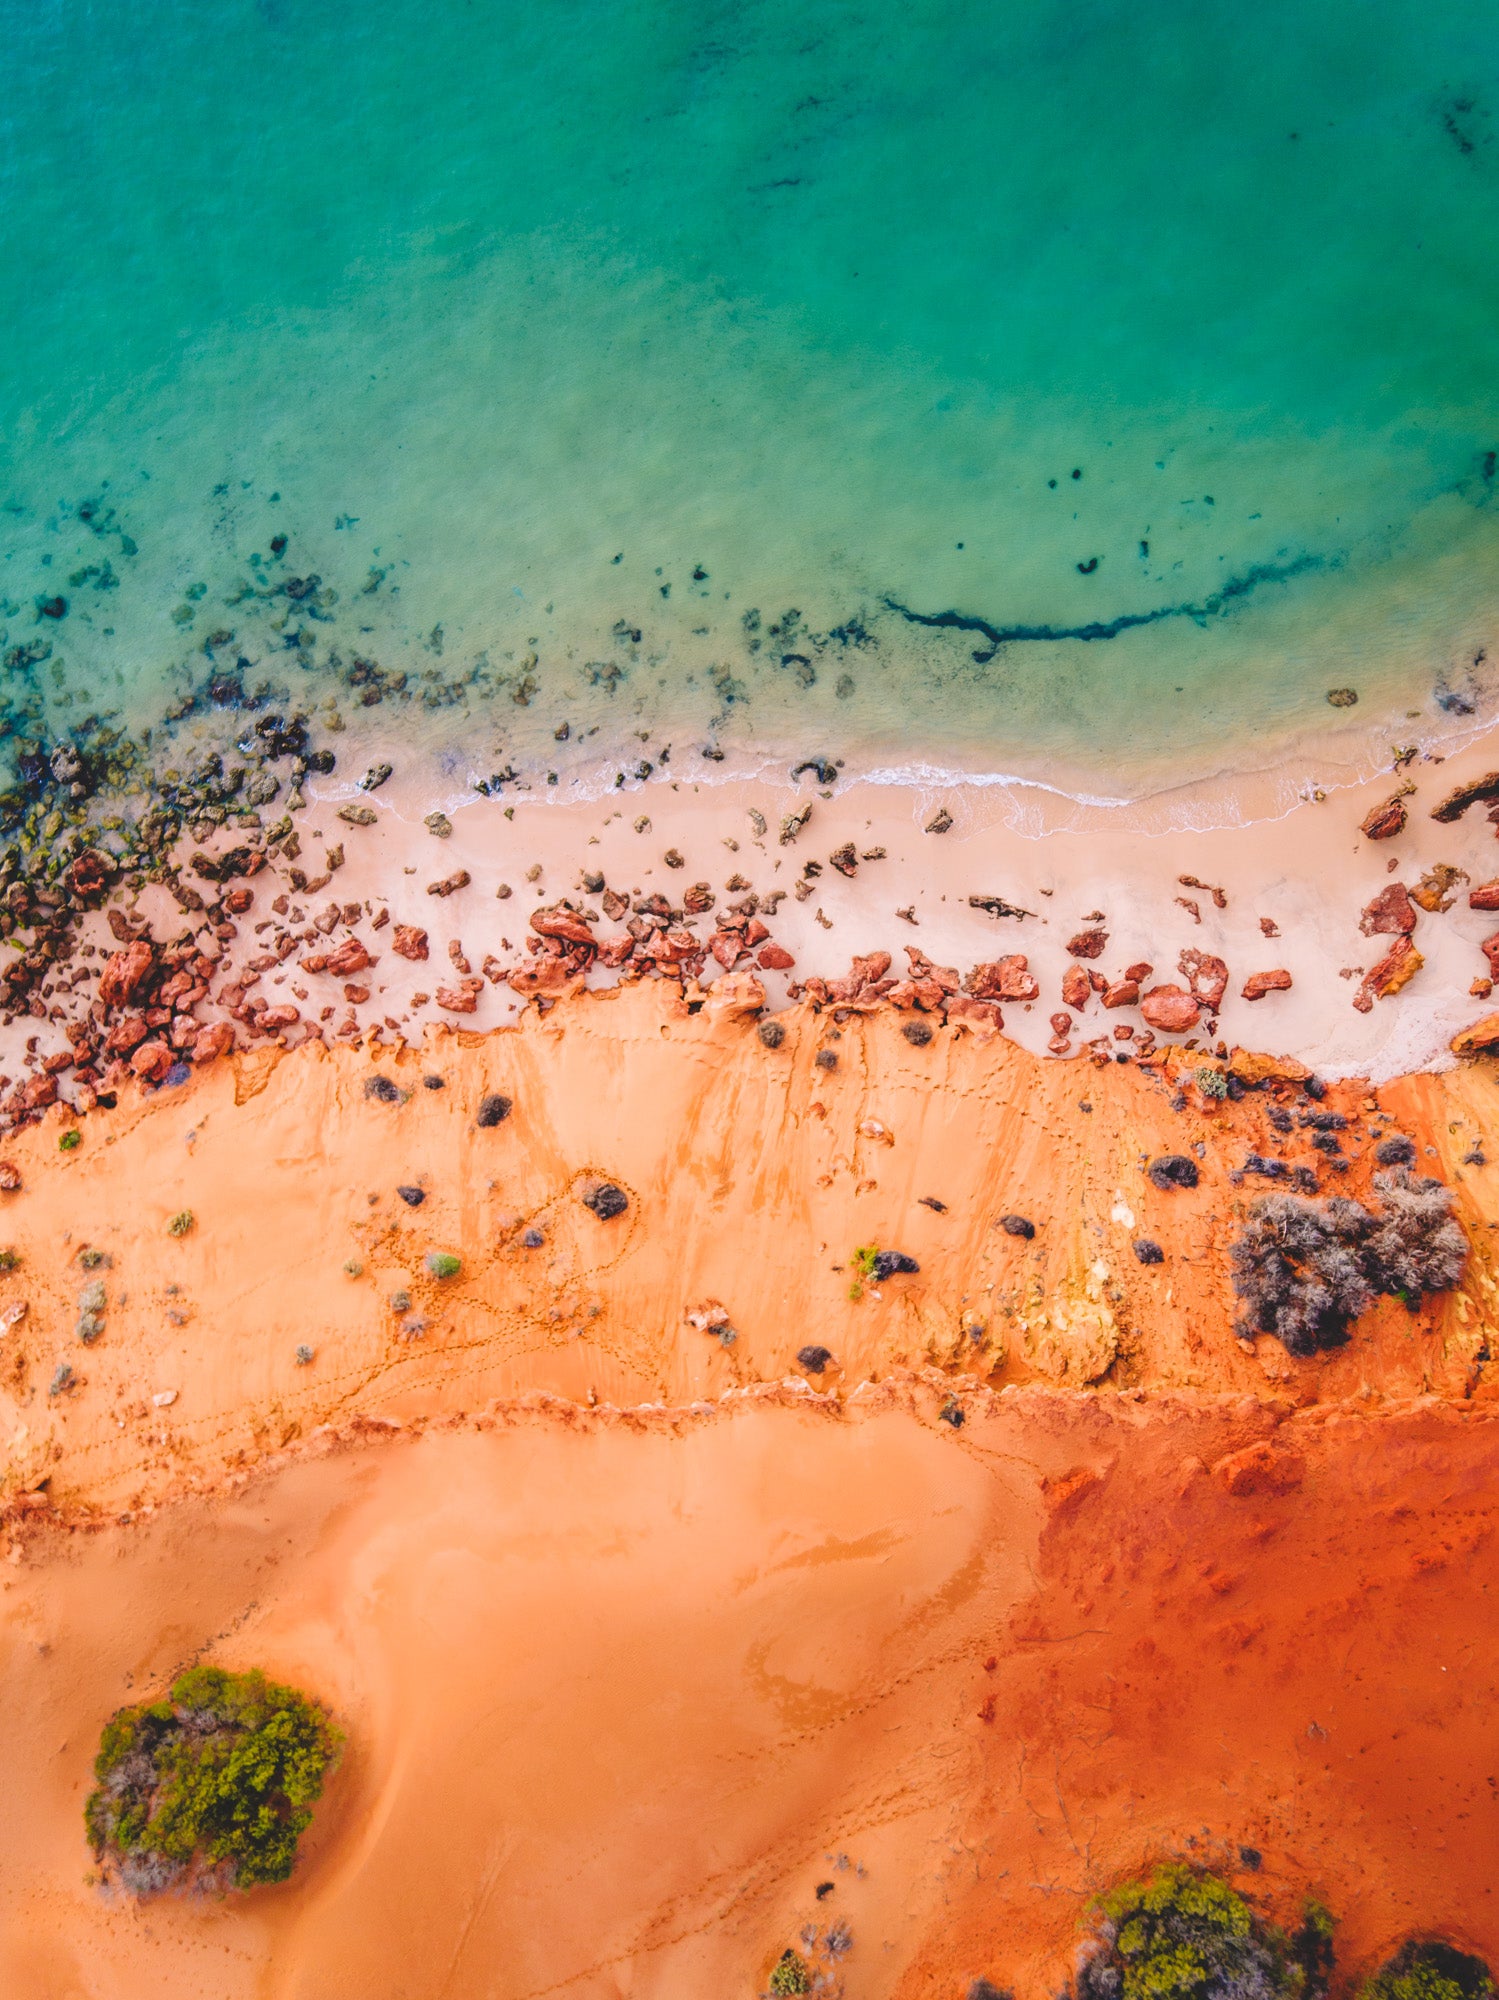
1269	927
1061	1024
1076	987
237	901
869	970
1088	944
1059	1045
1124	1032
356	995
270	1019
775	958
36	1093
1139	973
1480	1039
1484	897
151	1061
1490	950
559	923
1399	965
406	941
450	884
726	948
1258	984
1385	821
1007	978
963	1007
348	958
1480	989
10	1177
217	1039
125	1034
1206	977
943	977
542	976
1390	912
614	951
90	873
1170	1009
930	994
125	973
901	994
183	1032
1480	792
1123	993
755	932
462	998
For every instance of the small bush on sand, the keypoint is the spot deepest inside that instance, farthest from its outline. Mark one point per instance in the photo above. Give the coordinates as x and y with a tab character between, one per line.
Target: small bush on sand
1429	1969
1186	1935
790	1976
215	1783
70	1141
180	1223
1305	1269
443	1264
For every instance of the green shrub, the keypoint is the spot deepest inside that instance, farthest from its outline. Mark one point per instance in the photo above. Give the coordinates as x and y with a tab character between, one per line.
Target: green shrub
443	1264
70	1140
214	1782
9	1259
1211	1082
180	1223
863	1263
790	1975
1428	1969
1184	1934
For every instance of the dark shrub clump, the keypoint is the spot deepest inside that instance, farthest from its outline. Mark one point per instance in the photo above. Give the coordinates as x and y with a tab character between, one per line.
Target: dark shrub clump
1304	1269
1148	1251
1173	1170
215	1782
772	1034
1429	1969
889	1262
382	1090
1185	1935
813	1359
1396	1151
493	1110
606	1201
1017	1225
412	1196
917	1033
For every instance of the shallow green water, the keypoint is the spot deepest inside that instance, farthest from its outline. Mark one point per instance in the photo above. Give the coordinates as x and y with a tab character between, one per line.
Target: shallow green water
1160	342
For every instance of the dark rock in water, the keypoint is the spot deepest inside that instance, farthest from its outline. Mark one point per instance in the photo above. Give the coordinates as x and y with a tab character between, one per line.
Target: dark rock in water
813	1359
889	1262
820	768
412	1196
772	1034
493	1110
375	777
917	1033
1173	1170
1148	1251
321	761
433	1083
381	1088
52	607
1396	1151
606	1201
1017	1225
533	1239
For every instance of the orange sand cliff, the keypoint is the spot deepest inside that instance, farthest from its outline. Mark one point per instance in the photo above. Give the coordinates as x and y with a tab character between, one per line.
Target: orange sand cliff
634	1632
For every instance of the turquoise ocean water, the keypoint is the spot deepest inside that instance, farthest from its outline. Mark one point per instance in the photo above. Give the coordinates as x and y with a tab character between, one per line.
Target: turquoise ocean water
1078	391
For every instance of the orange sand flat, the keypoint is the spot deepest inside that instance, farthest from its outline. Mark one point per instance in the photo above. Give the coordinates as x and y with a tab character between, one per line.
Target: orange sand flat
619	1699
635	1633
